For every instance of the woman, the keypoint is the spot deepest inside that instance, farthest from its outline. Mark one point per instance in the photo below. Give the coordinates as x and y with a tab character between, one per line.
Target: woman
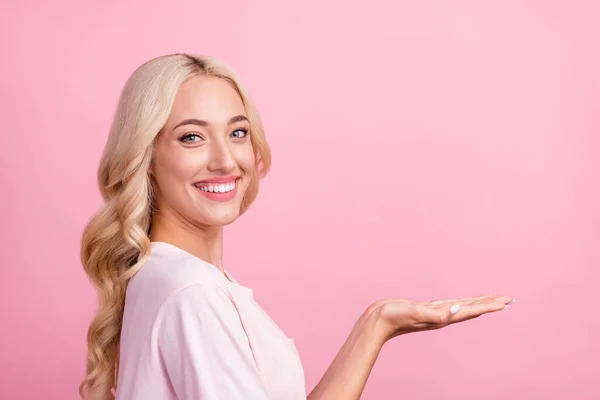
184	158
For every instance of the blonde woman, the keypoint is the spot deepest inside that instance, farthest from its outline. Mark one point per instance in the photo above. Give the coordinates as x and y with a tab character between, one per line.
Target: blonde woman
184	157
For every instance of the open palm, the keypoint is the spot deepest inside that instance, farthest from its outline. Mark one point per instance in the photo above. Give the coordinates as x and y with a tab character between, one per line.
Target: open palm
401	316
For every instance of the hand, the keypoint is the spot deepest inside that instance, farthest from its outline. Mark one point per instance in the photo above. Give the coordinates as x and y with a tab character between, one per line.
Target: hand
400	316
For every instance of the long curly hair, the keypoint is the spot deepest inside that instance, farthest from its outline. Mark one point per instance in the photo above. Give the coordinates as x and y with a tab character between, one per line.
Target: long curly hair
115	242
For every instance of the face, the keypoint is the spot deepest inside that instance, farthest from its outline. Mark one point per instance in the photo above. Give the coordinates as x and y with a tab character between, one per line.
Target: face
203	160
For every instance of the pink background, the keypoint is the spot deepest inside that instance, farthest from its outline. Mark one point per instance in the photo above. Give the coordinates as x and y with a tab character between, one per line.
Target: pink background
421	149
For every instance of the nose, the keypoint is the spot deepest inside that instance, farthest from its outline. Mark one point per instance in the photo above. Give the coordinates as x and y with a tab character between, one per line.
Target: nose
221	157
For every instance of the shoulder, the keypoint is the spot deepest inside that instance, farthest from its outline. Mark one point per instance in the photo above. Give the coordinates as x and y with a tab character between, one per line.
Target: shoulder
198	302
200	315
176	278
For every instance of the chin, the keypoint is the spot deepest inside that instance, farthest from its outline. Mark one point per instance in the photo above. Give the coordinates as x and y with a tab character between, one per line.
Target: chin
226	221
221	217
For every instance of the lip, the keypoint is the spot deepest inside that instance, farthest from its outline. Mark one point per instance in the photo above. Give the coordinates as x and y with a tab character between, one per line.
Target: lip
217	196
219	179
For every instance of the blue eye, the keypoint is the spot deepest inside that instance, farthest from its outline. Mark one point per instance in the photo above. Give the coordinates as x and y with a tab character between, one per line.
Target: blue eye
243	133
191	138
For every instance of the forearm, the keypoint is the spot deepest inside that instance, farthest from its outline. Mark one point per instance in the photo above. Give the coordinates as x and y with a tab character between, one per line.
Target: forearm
346	377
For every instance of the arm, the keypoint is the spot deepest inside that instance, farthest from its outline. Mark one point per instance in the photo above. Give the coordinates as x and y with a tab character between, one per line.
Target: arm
347	375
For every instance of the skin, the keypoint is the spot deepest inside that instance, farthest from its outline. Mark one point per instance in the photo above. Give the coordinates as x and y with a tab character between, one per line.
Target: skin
383	320
194	223
190	153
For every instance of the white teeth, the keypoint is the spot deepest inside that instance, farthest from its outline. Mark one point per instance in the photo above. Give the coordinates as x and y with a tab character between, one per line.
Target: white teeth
222	188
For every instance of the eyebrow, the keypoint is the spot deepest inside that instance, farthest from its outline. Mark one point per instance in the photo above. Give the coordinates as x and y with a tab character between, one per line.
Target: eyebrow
200	122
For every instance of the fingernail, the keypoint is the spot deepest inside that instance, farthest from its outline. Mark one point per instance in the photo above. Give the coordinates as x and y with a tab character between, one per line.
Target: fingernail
513	300
454	309
505	307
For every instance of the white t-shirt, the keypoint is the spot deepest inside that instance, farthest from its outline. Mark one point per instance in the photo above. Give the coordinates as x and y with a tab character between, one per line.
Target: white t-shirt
190	333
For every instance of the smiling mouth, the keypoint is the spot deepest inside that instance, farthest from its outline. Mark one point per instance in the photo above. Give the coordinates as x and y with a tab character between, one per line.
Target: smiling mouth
217	187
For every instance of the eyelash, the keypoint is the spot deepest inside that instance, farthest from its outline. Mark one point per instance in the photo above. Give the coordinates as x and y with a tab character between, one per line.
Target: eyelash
189	135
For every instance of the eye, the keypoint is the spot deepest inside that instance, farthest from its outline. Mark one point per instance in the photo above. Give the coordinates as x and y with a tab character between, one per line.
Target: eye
191	138
239	133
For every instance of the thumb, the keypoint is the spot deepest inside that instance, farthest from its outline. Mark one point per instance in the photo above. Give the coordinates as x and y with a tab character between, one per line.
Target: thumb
439	316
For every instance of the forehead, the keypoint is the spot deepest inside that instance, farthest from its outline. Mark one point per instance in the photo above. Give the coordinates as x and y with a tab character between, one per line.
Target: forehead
208	98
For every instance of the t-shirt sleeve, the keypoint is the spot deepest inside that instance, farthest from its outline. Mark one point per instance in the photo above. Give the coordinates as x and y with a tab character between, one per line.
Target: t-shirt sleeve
205	349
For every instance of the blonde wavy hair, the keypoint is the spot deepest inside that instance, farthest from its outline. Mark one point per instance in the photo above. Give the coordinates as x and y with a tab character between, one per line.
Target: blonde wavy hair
115	243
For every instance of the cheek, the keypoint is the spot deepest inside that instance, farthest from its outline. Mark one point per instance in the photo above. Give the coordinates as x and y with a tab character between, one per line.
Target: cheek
246	159
175	168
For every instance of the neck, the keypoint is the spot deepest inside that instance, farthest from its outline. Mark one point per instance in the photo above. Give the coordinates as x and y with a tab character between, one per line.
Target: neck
204	242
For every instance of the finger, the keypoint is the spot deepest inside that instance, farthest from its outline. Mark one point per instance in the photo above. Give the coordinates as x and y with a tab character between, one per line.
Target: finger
500	298
470	300
463	300
475	310
437	316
